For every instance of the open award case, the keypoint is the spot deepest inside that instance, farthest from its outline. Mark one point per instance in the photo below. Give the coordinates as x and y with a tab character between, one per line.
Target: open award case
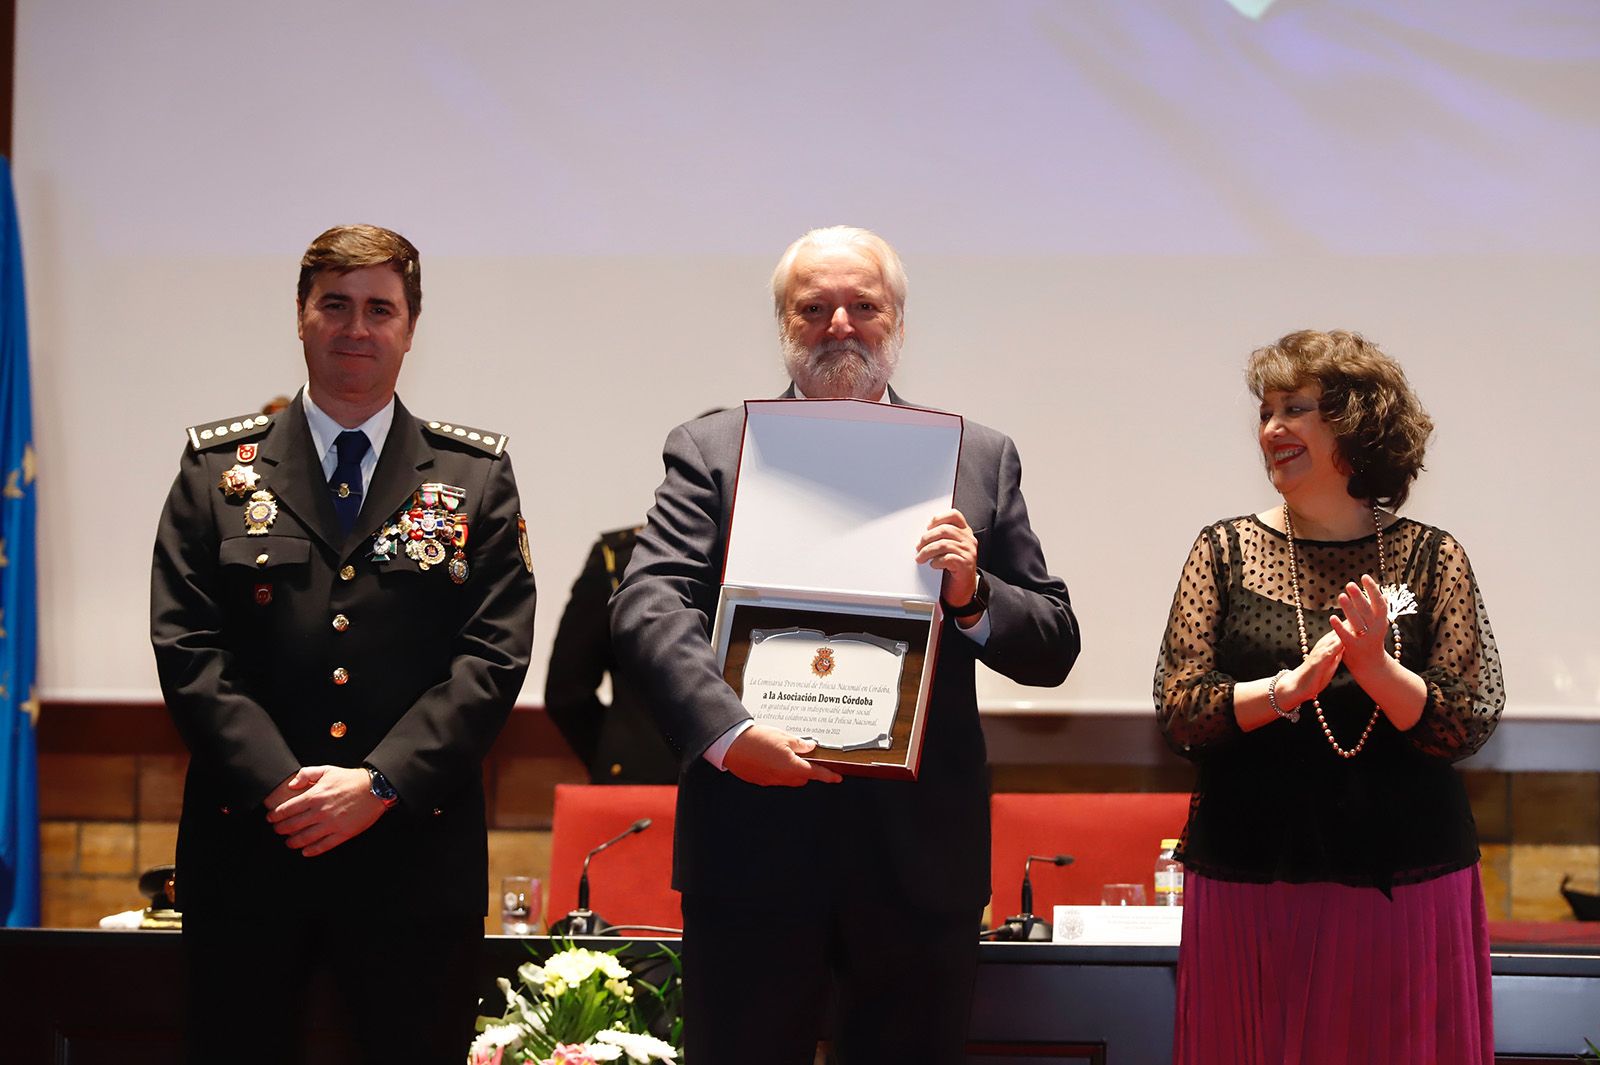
826	626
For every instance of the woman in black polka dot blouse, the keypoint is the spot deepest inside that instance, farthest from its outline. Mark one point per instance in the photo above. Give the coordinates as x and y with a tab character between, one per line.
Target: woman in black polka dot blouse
1324	663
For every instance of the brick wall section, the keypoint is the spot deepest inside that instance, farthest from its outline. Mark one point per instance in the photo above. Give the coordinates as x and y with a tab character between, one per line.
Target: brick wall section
110	789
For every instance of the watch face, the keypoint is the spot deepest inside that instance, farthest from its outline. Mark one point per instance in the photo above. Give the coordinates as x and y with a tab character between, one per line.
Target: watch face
382	788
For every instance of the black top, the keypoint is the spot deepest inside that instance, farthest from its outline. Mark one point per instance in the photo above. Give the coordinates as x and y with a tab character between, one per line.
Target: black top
1278	803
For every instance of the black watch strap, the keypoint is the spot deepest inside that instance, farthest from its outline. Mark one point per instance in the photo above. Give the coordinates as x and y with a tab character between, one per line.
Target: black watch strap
382	788
974	606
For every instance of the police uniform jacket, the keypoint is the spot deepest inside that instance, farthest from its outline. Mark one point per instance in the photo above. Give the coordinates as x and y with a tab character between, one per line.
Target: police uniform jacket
293	647
619	743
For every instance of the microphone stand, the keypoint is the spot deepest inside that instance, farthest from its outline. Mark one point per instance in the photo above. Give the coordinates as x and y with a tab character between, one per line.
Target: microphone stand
1024	925
582	921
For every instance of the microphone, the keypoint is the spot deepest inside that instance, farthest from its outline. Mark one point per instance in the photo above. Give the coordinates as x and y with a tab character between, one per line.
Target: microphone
583	921
1025	925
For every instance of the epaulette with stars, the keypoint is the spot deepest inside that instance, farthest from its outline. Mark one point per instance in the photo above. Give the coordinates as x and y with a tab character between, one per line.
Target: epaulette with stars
485	441
228	431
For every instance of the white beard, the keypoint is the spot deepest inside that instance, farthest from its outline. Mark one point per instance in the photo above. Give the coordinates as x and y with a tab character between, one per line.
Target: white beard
841	369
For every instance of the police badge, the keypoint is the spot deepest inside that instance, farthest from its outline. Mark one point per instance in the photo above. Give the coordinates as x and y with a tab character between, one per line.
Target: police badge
239	481
522	544
260	513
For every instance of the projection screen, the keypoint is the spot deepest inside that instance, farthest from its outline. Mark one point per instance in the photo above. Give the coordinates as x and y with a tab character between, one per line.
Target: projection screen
1102	207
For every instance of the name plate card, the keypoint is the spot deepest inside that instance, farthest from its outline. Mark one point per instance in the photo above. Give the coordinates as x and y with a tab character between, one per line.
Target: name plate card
1104	926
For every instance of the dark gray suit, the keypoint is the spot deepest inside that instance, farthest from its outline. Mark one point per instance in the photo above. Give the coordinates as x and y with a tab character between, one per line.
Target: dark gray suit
918	846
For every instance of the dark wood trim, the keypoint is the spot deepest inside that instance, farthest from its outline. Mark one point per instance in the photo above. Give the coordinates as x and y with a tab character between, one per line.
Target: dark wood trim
135	746
145	728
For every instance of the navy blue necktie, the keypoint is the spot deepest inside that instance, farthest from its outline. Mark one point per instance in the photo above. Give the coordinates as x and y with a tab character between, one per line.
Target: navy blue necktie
345	484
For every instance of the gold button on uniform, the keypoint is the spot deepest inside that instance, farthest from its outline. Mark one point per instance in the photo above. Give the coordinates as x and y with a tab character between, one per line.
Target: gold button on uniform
341	675
338	729
347	573
340	623
616	769
261	559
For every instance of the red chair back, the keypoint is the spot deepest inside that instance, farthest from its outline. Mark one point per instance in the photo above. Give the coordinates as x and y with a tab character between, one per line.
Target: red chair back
632	882
1113	839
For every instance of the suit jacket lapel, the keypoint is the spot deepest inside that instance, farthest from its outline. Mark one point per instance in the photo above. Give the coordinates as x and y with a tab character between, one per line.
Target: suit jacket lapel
298	480
405	453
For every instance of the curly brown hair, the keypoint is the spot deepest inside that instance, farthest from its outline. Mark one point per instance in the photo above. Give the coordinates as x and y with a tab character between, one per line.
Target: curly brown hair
1379	422
346	248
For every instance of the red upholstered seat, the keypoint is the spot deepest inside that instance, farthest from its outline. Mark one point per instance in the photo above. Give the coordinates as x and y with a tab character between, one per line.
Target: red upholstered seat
1113	839
632	882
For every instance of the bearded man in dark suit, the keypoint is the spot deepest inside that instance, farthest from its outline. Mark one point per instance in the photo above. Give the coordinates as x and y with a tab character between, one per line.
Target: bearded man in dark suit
342	613
798	884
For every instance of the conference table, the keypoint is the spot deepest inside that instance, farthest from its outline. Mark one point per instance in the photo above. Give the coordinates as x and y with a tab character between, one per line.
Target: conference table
72	997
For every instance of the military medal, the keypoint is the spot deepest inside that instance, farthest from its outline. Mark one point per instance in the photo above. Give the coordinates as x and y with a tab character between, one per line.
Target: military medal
427	528
260	512
434	495
432	552
238	481
459	570
385	543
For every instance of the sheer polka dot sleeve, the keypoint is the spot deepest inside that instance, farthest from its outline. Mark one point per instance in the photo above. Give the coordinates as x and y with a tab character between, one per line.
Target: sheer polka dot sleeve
1194	700
1465	690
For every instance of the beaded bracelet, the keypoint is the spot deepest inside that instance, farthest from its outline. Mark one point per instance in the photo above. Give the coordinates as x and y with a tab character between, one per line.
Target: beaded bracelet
1272	699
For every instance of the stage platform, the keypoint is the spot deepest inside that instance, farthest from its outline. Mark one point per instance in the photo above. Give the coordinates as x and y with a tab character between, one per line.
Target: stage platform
81	997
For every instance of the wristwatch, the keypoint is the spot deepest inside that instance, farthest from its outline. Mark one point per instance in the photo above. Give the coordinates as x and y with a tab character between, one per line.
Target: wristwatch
974	606
381	788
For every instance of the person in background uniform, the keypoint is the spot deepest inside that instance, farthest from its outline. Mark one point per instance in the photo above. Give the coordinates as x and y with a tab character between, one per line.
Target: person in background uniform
798	885
619	743
342	614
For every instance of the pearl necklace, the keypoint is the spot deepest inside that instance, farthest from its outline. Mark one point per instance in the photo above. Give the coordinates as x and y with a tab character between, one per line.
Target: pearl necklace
1305	646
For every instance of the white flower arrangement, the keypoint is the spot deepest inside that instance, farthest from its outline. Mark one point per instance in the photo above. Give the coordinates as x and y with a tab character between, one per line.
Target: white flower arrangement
580	1008
641	1047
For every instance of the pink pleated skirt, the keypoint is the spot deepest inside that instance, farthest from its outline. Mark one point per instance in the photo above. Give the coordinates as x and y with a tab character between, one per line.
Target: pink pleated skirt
1323	974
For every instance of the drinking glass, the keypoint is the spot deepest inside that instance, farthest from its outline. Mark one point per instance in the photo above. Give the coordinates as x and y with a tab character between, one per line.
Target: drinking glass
1122	895
520	905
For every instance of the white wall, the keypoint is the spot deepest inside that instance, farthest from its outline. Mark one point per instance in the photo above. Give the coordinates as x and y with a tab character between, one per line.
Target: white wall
1103	207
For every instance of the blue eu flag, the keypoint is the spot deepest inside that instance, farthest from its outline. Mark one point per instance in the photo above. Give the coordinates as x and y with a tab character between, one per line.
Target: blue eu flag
19	700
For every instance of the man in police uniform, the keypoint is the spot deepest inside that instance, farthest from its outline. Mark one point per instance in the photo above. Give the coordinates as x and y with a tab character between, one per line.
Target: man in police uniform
342	614
619	742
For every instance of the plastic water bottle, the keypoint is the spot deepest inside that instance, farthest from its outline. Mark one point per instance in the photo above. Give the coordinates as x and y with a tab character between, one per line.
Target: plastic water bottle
1169	875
